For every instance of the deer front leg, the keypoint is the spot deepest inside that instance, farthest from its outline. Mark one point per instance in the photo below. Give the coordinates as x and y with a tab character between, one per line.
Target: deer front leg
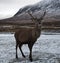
16	51
30	55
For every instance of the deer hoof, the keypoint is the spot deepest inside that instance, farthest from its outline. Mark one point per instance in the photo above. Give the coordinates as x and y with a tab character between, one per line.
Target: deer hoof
24	56
31	59
16	57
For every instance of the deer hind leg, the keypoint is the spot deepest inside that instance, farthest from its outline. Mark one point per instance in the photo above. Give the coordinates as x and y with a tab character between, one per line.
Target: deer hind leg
20	45
30	48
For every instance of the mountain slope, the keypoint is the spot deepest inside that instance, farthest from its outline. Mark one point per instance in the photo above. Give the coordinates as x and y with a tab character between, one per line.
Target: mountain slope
52	7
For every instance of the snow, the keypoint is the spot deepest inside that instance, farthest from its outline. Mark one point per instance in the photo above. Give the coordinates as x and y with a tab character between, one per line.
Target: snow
45	50
50	43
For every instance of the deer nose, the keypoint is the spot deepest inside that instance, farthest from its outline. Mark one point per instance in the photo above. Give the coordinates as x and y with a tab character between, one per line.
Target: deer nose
39	22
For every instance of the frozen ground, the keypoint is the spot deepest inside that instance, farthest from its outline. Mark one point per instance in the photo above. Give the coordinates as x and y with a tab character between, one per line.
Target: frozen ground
45	50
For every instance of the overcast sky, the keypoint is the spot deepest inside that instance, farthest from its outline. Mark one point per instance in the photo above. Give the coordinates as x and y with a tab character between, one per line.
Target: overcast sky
9	7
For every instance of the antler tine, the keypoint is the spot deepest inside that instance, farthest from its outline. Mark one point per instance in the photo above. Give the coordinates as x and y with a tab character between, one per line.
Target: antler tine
31	14
41	18
44	13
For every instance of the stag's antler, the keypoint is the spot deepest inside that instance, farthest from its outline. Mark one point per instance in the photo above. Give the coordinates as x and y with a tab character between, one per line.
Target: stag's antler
41	18
31	15
35	18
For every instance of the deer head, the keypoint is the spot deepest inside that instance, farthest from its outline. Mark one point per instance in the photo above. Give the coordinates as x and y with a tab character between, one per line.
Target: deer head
37	20
37	23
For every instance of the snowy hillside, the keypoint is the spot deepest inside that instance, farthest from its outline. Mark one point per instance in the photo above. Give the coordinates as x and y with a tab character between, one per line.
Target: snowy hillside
52	7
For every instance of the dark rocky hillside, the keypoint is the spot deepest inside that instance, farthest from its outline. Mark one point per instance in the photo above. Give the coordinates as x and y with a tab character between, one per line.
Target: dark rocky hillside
52	17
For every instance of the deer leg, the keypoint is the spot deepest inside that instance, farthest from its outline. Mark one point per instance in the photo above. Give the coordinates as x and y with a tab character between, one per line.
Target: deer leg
16	51
21	51
30	48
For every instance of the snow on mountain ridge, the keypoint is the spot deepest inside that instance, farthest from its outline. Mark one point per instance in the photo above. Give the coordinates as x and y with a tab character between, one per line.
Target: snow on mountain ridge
51	6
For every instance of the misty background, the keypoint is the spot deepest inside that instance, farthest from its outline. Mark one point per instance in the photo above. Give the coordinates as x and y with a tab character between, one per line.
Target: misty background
10	7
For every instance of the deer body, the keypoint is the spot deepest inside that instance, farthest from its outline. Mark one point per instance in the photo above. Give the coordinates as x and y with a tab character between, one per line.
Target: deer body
28	35
25	35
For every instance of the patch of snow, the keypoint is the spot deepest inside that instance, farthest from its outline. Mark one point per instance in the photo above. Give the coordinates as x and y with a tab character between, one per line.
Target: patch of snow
45	50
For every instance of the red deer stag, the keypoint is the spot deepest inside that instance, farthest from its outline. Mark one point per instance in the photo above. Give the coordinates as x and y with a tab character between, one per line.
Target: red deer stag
28	35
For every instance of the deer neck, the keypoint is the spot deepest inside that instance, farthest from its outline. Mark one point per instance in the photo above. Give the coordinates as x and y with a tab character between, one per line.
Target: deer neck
37	30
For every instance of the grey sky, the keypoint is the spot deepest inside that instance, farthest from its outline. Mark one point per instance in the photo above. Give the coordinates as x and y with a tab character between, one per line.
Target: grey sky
9	7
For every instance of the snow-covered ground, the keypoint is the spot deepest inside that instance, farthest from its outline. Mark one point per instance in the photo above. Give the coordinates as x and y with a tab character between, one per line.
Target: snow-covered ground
45	50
